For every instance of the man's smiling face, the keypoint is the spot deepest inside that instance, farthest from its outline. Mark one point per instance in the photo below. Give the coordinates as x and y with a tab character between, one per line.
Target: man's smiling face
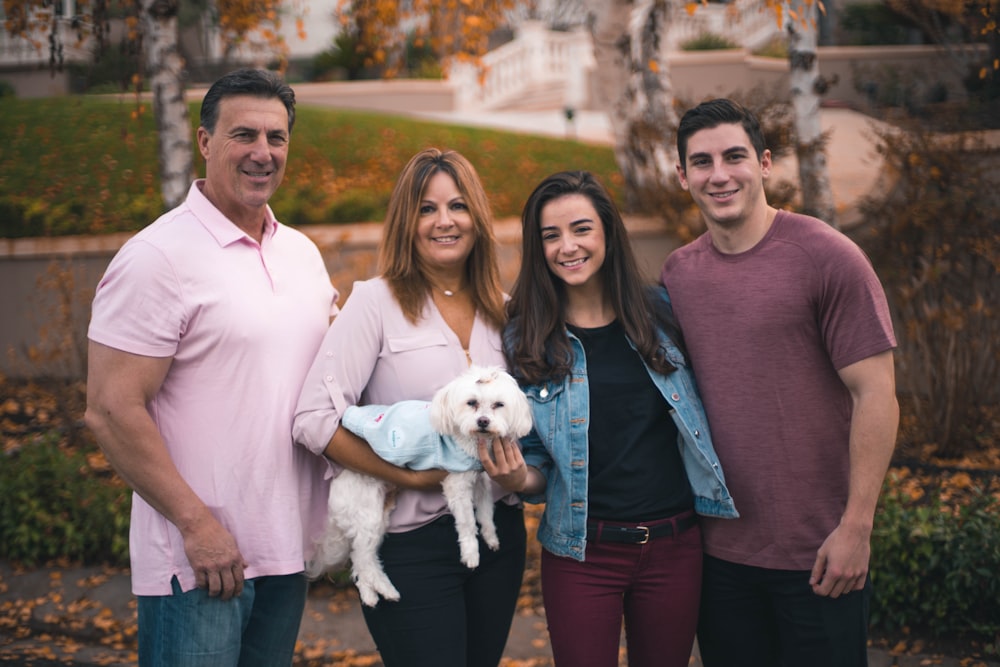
724	175
245	156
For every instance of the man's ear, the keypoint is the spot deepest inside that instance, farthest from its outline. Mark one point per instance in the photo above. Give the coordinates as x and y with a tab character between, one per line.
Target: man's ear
765	163
202	137
682	175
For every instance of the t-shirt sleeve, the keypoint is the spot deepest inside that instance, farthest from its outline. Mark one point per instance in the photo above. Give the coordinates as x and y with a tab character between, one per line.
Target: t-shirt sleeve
854	314
138	306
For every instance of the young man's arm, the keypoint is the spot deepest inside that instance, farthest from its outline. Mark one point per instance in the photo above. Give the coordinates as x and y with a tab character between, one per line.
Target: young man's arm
842	561
119	386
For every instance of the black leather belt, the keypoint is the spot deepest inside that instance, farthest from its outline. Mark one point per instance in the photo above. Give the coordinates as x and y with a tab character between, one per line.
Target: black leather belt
602	531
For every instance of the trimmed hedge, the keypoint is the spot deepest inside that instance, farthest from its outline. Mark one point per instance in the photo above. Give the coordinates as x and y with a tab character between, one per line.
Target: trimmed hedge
55	505
936	564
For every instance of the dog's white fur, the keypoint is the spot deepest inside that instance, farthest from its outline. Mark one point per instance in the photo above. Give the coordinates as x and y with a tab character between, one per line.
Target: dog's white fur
483	402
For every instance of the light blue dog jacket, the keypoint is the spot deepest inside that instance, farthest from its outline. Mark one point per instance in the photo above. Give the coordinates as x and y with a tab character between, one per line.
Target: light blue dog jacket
401	434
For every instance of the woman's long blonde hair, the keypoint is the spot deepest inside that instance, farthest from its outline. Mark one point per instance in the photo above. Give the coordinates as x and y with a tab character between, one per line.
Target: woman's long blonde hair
398	260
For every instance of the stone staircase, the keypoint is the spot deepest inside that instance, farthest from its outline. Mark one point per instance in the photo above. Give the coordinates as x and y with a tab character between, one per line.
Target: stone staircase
537	96
543	69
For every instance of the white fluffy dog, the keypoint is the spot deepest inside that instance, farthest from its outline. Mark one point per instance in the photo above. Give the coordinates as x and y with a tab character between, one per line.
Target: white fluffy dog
479	403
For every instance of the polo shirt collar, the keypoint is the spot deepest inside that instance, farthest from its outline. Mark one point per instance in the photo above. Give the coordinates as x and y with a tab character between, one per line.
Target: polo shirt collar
217	224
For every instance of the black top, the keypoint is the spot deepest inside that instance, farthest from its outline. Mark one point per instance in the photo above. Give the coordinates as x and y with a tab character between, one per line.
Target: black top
635	471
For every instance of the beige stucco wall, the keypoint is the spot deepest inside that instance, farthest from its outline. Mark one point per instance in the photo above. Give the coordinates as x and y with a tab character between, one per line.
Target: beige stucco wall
701	74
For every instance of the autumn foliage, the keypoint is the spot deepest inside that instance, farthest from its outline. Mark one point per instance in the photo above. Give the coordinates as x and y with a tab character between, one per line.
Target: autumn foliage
247	24
457	29
934	235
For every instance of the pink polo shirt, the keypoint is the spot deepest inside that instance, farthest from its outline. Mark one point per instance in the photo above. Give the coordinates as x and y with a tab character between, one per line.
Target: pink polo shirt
373	355
242	323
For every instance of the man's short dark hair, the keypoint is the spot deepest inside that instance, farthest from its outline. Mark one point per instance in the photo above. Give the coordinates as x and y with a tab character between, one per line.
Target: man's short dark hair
247	81
717	112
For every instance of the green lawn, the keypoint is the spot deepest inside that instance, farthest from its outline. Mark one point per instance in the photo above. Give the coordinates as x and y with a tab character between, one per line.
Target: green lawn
76	165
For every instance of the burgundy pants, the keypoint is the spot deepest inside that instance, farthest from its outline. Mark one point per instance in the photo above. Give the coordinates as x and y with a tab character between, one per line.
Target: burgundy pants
655	587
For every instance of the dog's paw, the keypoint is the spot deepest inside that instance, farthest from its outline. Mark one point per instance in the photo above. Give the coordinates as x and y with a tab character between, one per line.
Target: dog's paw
371	588
469	553
370	598
488	531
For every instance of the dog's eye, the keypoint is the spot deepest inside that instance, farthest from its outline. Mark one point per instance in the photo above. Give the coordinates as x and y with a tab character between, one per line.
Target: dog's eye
472	403
498	405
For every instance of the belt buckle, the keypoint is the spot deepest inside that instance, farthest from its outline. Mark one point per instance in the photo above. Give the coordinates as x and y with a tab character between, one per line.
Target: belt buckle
645	537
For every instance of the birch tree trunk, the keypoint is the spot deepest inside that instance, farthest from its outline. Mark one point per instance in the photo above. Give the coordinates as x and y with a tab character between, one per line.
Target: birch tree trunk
633	83
165	76
806	88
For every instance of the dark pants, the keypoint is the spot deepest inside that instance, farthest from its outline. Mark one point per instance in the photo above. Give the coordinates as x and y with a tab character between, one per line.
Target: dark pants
756	617
447	614
653	586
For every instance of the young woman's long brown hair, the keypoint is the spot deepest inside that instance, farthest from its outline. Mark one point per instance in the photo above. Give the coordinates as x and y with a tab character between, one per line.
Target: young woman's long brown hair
535	343
399	262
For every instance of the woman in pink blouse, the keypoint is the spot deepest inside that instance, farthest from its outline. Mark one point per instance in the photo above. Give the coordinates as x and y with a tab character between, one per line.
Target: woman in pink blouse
436	308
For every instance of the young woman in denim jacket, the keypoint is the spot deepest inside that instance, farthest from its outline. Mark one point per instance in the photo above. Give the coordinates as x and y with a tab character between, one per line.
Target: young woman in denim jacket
620	453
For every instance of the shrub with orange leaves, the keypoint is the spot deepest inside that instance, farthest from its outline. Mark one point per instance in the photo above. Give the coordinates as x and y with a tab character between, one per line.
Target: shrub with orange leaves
933	233
379	29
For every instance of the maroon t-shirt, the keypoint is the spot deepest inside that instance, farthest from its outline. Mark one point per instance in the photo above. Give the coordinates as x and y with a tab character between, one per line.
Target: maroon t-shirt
767	331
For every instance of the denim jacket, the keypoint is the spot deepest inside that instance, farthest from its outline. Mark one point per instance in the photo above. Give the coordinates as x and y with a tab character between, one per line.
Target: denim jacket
558	447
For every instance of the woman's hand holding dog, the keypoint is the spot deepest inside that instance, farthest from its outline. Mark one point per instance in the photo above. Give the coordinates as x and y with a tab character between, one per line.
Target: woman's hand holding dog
502	461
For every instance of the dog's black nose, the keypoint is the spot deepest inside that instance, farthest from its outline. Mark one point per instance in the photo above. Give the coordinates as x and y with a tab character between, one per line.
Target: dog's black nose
483	422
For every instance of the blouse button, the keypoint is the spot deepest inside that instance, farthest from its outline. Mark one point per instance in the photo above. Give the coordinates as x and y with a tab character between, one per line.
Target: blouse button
697	433
675	396
544	392
329	353
329	378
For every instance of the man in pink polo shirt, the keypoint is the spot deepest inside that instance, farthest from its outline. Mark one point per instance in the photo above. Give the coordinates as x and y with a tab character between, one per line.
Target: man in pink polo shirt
203	329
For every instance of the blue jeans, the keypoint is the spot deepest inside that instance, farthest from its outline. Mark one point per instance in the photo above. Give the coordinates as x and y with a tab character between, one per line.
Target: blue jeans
256	629
755	617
